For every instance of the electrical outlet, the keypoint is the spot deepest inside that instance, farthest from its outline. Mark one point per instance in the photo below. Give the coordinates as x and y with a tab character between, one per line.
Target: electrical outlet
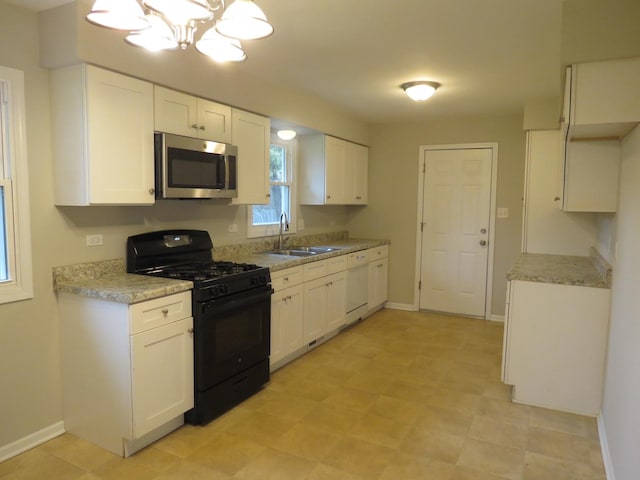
94	240
233	228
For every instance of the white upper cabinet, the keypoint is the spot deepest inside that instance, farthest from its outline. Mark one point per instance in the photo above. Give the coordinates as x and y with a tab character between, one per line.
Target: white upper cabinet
102	135
251	134
602	98
333	171
183	114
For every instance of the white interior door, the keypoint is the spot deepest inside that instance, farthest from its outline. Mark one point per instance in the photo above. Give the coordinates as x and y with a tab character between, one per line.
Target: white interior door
455	230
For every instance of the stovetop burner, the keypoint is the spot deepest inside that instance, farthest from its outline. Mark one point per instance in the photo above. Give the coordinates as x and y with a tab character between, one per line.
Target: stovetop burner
199	272
187	255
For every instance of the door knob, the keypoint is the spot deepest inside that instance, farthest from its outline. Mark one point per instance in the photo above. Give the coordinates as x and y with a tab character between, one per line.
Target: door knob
483	230
483	242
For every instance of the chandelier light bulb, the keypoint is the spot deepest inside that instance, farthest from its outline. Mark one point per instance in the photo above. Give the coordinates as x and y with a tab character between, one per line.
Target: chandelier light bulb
244	20
118	14
158	37
220	48
420	91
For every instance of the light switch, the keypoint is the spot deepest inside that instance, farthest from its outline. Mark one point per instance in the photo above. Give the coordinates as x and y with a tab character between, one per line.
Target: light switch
503	212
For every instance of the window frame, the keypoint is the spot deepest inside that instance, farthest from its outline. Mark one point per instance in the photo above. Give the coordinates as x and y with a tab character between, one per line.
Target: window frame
14	177
254	231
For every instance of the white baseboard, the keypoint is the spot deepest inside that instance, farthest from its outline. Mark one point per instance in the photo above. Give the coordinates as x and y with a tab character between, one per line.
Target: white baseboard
496	318
604	448
33	440
401	306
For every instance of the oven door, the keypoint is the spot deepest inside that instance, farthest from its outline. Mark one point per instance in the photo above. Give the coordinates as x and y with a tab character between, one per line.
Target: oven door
231	334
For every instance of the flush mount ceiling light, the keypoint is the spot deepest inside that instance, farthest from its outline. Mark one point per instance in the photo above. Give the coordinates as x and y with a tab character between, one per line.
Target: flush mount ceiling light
420	90
286	134
169	24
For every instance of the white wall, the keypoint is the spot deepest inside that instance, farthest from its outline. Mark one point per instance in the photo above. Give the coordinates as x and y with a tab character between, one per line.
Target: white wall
621	408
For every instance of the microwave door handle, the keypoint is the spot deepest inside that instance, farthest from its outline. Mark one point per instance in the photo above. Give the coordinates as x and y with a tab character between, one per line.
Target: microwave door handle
226	172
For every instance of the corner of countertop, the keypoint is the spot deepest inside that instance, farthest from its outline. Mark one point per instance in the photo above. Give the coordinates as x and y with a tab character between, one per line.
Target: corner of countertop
86	271
601	264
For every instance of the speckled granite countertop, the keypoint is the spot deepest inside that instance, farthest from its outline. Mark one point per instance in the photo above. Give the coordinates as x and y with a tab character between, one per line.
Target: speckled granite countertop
590	271
107	280
280	262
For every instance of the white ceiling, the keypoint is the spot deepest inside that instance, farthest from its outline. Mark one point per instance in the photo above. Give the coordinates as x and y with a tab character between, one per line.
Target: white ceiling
491	56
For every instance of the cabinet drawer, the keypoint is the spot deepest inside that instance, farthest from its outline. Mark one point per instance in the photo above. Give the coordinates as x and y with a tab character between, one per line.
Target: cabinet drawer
314	270
378	252
336	264
357	258
286	278
159	311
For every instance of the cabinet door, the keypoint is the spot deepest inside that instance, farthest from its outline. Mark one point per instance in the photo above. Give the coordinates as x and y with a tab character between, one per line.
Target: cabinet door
162	363
120	139
591	166
378	271
175	112
357	173
335	171
278	306
251	134
292	331
214	121
315	307
336	300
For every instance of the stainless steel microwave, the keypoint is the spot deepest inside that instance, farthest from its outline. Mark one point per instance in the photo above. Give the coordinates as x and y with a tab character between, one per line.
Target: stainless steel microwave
194	168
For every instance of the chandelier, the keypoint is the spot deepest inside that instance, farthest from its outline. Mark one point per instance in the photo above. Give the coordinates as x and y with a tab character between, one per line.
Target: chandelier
169	24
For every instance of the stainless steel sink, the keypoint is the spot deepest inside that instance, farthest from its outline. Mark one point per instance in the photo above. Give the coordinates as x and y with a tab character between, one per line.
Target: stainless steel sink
303	251
293	252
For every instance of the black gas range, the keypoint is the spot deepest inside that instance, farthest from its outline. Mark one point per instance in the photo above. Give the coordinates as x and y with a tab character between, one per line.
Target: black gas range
231	305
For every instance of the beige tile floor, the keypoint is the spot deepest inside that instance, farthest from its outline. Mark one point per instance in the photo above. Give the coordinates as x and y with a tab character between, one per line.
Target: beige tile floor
401	395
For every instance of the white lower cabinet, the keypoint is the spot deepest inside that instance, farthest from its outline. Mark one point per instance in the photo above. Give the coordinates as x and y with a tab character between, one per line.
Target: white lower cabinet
555	345
127	370
325	298
286	314
378	275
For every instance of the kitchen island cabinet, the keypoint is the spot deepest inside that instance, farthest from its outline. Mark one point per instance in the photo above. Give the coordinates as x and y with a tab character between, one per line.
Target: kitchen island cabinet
127	370
556	333
102	137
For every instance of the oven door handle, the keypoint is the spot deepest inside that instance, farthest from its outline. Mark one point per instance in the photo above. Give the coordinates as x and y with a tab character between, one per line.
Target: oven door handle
238	300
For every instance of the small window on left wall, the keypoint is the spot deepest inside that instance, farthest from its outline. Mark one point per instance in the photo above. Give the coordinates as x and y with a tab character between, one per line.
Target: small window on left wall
16	278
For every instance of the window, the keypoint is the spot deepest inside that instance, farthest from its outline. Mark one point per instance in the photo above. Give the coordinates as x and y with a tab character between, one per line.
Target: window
15	244
264	220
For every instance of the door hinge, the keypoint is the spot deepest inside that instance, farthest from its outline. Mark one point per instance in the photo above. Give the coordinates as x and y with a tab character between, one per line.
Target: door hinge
421	227
419	284
424	167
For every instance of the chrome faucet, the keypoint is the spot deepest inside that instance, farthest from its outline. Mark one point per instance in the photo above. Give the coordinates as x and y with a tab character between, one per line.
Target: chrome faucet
284	227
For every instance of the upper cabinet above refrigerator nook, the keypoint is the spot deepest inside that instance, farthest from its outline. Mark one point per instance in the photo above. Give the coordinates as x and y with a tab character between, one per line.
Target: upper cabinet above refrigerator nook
333	171
183	114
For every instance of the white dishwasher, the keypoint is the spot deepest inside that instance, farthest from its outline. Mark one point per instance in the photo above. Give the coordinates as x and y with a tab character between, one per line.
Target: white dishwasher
357	285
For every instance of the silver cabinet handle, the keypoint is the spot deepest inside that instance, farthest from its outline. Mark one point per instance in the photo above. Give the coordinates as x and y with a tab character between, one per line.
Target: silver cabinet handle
483	242
190	330
165	311
195	125
202	127
152	191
